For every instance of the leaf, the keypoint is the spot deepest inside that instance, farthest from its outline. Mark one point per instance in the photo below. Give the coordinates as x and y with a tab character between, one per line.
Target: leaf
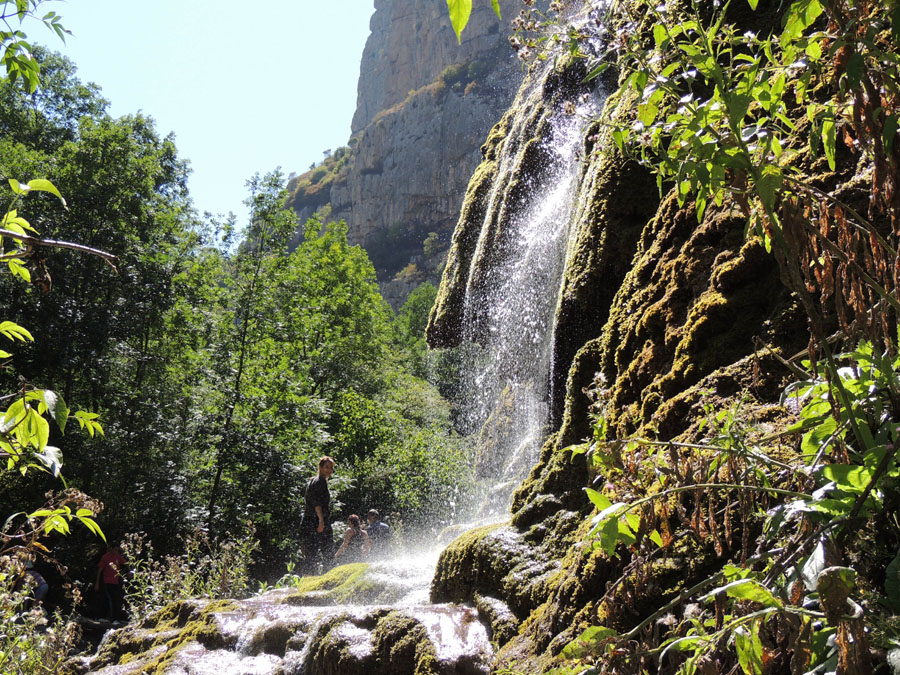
496	5
588	642
800	16
813	567
749	649
647	113
769	185
848	477
660	35
856	64
892	583
609	536
14	186
51	457
829	141
459	15
44	185
747	589
753	4
15	332
57	407
597	499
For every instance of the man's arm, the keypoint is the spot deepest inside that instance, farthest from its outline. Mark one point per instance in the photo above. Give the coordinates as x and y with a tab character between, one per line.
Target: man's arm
321	515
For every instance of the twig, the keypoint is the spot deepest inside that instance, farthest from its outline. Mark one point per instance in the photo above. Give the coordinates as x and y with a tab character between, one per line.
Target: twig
109	258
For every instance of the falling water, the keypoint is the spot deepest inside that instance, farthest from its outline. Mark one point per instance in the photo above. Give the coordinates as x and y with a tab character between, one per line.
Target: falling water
509	315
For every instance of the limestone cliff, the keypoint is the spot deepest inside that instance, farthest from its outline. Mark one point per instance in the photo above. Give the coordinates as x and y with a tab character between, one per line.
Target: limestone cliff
425	104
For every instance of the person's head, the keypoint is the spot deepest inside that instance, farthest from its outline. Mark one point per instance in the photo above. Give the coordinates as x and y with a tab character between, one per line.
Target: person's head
326	466
353	520
373	516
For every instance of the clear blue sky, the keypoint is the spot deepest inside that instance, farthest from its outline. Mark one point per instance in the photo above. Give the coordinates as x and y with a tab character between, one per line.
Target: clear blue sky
245	87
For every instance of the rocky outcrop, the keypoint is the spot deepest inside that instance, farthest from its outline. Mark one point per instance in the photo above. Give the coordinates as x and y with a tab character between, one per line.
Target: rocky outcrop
424	106
658	315
301	630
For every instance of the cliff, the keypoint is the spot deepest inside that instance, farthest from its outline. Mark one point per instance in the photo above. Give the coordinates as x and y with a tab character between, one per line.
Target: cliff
424	106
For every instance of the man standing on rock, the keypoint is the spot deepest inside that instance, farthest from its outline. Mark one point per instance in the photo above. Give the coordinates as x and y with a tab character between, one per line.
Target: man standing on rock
315	528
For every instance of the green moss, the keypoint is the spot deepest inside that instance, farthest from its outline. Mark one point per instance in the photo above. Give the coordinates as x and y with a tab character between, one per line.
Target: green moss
153	644
457	573
346	583
402	646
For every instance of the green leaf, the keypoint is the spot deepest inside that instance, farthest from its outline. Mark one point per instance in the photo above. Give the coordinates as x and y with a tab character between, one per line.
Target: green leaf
817	436
14	186
814	50
609	536
892	583
647	113
15	332
17	269
749	649
660	35
496	5
588	643
800	16
769	185
829	140
737	104
459	15
848	477
44	185
598	499
753	4
57	407
856	64
747	589
656	538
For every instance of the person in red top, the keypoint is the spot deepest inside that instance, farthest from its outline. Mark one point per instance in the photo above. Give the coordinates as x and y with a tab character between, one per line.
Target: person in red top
109	573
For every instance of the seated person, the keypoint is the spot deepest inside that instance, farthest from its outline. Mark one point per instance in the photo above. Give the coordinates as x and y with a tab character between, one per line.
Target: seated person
356	542
379	533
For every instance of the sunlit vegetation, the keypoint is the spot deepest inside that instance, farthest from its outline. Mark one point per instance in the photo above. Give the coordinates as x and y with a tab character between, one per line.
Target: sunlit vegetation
214	366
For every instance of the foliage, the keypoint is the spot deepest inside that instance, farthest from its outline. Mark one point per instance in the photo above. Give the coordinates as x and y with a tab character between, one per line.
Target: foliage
460	11
740	121
16	57
32	642
207	568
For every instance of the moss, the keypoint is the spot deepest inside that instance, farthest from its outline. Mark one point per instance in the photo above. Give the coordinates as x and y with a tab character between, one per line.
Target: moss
401	645
346	583
152	645
457	572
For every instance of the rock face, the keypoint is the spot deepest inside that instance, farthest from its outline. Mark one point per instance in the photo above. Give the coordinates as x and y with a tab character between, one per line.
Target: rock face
424	106
657	314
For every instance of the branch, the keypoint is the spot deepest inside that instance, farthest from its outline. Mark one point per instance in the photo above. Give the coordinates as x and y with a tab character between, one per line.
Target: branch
110	259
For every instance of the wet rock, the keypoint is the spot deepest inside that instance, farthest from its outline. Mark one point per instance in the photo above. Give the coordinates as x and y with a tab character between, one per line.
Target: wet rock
295	630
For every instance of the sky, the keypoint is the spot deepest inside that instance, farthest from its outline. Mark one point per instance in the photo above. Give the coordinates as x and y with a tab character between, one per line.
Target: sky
245	88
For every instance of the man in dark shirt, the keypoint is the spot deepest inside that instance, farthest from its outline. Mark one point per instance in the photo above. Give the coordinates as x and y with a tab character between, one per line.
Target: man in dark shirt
315	527
379	533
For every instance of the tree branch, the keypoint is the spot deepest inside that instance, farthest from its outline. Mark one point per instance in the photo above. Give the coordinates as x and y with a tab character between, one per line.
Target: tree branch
110	259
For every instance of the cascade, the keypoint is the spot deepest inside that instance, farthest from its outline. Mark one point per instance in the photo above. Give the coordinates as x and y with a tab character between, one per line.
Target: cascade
513	288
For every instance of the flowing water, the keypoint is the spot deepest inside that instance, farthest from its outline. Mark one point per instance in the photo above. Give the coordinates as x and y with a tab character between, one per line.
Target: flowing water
509	313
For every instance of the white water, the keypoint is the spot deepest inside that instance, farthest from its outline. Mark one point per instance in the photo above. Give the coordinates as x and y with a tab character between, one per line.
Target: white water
511	314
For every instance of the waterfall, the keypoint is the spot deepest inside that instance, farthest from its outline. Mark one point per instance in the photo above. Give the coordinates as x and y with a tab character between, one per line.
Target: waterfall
513	288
